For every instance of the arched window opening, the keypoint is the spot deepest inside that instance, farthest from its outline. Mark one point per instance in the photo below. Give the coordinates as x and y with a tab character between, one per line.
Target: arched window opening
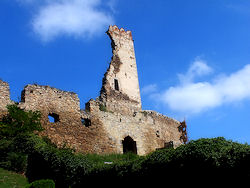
129	145
53	118
116	85
86	122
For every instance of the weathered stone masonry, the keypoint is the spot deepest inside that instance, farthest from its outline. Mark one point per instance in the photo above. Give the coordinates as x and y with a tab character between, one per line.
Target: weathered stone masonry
4	97
112	123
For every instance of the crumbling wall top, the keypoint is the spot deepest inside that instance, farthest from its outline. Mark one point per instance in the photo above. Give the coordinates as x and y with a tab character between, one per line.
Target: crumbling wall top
31	88
114	32
38	97
2	83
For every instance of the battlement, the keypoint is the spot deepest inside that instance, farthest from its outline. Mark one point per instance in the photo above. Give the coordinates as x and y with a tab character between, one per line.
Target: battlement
2	83
115	32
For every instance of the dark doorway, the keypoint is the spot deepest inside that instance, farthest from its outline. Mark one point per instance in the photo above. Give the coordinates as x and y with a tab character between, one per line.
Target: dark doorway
129	145
116	85
53	118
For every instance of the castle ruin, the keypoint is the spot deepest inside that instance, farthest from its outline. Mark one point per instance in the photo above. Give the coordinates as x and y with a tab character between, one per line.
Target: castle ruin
112	123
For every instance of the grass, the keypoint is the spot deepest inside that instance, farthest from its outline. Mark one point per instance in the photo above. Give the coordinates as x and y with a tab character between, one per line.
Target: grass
114	158
11	179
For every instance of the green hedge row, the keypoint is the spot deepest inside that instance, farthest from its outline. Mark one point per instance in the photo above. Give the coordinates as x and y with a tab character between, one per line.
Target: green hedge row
216	159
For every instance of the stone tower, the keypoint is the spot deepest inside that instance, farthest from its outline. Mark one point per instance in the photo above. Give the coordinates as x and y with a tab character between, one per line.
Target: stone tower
120	90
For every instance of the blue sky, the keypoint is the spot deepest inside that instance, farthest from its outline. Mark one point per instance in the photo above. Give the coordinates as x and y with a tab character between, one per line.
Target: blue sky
193	56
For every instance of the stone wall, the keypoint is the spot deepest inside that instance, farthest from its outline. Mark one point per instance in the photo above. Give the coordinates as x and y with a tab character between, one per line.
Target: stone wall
51	101
68	128
105	131
149	129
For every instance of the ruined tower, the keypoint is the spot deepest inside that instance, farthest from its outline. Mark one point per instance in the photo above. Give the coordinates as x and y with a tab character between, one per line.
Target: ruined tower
120	90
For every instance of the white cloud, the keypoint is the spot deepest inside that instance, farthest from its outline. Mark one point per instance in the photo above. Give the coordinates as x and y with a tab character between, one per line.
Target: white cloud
235	87
148	89
198	68
194	97
77	18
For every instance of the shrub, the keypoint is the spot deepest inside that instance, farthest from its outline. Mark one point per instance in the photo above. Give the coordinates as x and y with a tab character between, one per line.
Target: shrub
5	148
61	165
42	184
16	161
204	158
11	158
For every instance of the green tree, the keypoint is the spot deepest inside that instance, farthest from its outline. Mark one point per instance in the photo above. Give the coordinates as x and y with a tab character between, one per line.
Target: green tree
18	121
15	130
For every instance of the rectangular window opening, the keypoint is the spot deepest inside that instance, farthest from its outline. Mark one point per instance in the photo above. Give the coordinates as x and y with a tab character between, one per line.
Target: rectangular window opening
116	85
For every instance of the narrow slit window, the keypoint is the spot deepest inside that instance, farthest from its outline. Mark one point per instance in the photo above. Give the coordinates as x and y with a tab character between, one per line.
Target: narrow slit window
116	85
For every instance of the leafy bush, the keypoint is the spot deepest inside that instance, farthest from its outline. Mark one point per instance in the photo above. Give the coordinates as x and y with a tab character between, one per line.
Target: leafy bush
16	162
61	165
42	184
213	158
